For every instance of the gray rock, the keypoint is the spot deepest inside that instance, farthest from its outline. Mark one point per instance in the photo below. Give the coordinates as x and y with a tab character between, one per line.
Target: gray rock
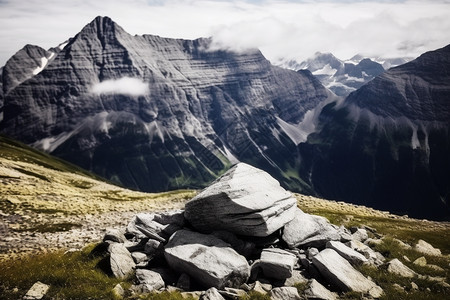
426	248
118	291
360	235
114	235
277	263
148	281
284	293
152	247
139	257
318	291
338	272
232	293
207	259
122	264
373	257
154	226
397	267
37	291
348	253
311	252
309	230
212	294
421	261
297	277
262	288
245	200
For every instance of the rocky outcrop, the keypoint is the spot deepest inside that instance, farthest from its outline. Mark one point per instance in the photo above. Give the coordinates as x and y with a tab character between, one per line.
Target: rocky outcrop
155	113
245	200
208	259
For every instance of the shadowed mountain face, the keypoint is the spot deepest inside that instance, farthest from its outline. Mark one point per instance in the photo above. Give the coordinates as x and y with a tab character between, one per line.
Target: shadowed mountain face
154	113
388	144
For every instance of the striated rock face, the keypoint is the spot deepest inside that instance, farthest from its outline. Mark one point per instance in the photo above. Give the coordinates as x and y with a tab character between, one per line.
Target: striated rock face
245	201
154	113
388	145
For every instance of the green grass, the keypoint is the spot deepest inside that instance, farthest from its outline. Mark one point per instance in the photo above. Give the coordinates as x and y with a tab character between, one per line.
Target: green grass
70	276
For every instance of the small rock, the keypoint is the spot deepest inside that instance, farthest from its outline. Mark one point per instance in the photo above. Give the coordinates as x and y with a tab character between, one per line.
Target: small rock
212	294
233	293
262	288
114	235
398	287
118	292
360	235
297	277
436	268
311	252
421	261
37	291
152	247
284	293
195	295
426	248
318	291
403	244
277	263
406	258
122	264
397	267
139	257
414	286
148	281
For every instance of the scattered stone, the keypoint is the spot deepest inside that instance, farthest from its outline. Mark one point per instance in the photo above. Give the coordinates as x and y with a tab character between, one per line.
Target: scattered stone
311	252
262	288
318	291
425	248
118	292
397	267
122	264
398	287
277	263
114	235
184	282
341	274
436	268
297	277
414	286
207	259
421	261
212	294
148	281
374	258
37	291
406	258
284	293
236	203
360	235
348	253
403	244
309	230
139	257
233	293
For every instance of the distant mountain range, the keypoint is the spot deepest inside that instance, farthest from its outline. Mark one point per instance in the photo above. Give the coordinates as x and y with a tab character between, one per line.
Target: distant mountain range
154	114
343	77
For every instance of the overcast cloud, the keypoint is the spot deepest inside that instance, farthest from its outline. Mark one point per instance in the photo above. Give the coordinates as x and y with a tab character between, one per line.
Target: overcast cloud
280	29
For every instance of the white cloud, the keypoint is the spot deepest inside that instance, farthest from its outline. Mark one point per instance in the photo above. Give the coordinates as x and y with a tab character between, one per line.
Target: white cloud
123	86
293	29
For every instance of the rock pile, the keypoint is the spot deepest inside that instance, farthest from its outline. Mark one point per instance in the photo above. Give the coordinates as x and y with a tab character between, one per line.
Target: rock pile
242	233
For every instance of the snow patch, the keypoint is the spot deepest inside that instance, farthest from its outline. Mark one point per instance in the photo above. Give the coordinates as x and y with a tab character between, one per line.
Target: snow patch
122	86
51	143
44	61
415	143
326	70
230	156
356	79
62	45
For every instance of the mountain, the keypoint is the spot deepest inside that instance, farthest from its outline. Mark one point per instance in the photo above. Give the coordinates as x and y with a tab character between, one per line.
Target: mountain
342	77
388	144
153	113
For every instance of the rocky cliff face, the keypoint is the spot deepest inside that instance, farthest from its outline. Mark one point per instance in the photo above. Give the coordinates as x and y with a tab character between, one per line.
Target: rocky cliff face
388	144
153	113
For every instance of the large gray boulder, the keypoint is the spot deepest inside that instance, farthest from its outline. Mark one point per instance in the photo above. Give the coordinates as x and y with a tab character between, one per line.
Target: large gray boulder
338	272
395	266
207	259
309	230
245	201
121	261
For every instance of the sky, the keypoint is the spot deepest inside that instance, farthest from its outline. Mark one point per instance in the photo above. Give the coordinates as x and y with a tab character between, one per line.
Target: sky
282	30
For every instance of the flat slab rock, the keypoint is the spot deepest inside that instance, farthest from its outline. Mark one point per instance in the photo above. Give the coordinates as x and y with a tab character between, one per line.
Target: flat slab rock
245	200
338	272
121	261
207	259
37	291
277	263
